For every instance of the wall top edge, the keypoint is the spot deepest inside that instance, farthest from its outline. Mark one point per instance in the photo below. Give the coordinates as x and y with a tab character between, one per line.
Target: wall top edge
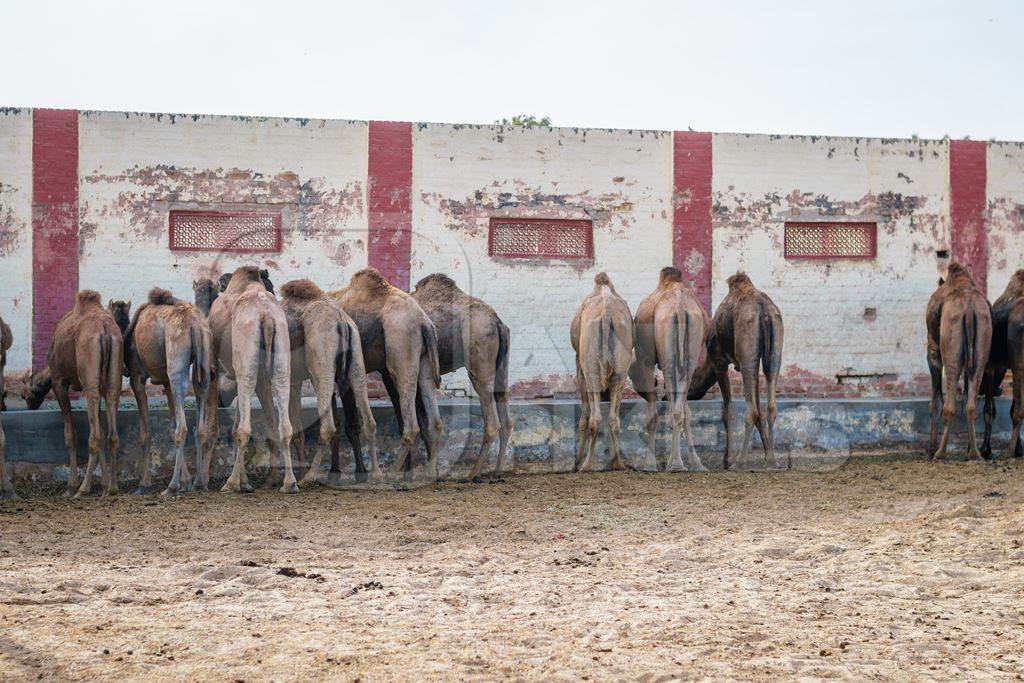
173	118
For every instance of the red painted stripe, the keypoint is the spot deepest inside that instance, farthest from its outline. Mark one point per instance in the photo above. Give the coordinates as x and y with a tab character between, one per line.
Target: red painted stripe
691	216
54	222
390	200
968	174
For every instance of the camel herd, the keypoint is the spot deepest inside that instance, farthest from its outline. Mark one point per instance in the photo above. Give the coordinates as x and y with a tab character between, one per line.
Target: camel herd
237	339
669	333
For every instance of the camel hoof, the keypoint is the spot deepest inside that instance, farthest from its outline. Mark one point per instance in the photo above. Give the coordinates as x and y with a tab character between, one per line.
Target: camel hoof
236	488
168	493
143	490
289	488
675	467
308	482
376	475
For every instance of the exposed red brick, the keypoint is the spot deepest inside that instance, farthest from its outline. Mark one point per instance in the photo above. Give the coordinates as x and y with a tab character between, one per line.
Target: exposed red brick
968	171
691	215
54	222
389	171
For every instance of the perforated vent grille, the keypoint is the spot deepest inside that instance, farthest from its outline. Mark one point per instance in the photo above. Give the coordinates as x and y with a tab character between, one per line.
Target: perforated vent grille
234	231
541	238
831	240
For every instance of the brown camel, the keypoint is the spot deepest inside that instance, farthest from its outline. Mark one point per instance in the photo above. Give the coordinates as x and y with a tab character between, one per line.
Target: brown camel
671	327
250	341
745	332
6	487
601	333
1006	354
959	323
85	355
471	335
166	338
206	292
327	351
400	342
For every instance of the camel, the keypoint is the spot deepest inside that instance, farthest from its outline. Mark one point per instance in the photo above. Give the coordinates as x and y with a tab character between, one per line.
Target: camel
327	351
959	323
6	487
1007	314
85	354
165	339
205	292
400	342
250	341
471	335
746	331
601	333
671	327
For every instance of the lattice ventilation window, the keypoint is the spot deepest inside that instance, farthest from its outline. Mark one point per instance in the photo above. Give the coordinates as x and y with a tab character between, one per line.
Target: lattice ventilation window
541	238
831	240
233	231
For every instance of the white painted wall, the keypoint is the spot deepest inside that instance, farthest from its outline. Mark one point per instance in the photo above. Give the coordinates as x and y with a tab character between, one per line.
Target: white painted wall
462	175
134	168
16	234
761	181
1005	195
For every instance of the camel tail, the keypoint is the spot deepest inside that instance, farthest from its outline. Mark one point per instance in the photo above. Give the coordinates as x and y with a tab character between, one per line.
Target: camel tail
766	342
344	358
430	345
201	368
106	355
968	353
681	366
501	362
267	334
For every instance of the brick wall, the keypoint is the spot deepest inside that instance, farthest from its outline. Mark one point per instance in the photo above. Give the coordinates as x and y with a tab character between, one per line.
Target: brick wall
413	199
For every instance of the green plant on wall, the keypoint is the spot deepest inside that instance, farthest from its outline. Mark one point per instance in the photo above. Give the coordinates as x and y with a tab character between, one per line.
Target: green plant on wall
526	120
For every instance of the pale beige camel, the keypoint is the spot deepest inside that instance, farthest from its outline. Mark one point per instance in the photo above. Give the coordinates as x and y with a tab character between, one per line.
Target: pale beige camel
471	335
85	354
250	341
601	333
746	332
959	323
671	327
400	342
166	339
327	351
6	487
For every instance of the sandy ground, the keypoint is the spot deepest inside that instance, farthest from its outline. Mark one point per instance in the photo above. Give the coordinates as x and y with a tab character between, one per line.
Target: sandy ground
878	570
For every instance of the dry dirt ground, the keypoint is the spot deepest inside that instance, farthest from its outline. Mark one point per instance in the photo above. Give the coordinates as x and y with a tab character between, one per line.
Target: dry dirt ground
877	570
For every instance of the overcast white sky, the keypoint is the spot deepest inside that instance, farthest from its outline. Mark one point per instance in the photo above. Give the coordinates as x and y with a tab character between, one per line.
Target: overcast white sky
890	68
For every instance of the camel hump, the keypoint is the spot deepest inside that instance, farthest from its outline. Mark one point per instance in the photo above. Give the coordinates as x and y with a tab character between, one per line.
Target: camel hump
956	271
372	278
87	296
161	297
438	279
602	279
740	279
670	274
307	290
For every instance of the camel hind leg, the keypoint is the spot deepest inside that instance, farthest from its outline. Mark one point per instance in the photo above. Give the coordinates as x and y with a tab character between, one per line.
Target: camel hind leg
693	462
1016	413
753	418
593	426
176	398
60	391
6	487
935	370
96	455
427	408
324	387
484	388
949	379
973	386
504	432
618	385
355	382
138	386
